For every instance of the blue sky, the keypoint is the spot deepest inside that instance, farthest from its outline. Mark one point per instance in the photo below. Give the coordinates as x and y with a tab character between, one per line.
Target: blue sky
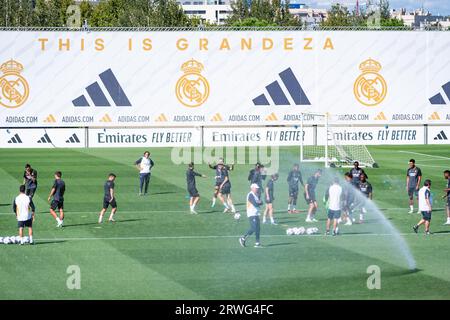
441	7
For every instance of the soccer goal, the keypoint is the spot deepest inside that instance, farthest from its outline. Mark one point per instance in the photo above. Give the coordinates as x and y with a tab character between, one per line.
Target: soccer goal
322	145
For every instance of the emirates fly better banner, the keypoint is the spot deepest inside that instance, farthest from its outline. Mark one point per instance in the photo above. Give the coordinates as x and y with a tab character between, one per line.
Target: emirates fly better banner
125	79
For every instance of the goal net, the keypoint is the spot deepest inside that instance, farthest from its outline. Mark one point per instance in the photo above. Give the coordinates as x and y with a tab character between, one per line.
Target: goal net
324	142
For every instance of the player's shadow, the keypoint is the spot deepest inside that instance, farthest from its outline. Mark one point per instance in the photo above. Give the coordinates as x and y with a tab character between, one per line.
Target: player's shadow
441	232
163	192
354	233
4	204
41	243
279	244
80	225
128	220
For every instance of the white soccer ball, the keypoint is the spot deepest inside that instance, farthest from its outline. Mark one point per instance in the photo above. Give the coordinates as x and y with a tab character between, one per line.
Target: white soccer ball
6	240
1	240
301	230
297	231
290	231
12	240
26	239
17	239
309	231
237	216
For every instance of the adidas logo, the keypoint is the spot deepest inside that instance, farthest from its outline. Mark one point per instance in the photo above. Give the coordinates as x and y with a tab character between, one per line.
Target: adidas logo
73	139
97	95
272	117
45	139
162	118
217	118
278	96
106	118
50	119
441	136
434	116
381	116
439	98
15	139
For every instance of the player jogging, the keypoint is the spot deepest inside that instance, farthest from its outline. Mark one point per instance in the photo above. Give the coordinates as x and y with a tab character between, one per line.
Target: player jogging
218	181
447	195
25	218
253	212
192	188
109	199
356	173
225	190
333	196
348	200
413	178
366	189
144	165
57	199
425	207
269	199
30	182
294	177
310	195
256	176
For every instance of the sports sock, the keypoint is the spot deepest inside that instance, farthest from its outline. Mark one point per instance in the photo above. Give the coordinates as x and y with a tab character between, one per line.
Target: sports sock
411	207
31	239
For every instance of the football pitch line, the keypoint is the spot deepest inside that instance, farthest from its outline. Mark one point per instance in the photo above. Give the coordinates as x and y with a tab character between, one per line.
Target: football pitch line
227	237
425	155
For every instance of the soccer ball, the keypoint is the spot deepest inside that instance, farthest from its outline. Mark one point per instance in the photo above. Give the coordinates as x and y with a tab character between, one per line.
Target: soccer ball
1	240
12	240
311	231
26	239
6	240
290	231
301	230
237	216
297	231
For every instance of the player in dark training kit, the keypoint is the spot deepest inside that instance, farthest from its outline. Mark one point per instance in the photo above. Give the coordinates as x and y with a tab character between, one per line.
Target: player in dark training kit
109	199
192	188
57	199
447	195
218	178
348	199
356	173
413	178
366	189
256	176
293	179
310	195
225	190
269	199
30	182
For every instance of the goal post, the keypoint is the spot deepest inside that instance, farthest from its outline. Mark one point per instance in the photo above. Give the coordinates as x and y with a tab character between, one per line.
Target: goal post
321	144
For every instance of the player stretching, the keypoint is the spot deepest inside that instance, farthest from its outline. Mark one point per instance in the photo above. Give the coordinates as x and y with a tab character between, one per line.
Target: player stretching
30	182
447	195
256	176
21	207
217	177
225	191
413	178
356	173
144	165
270	198
425	206
57	192
192	188
253	205
348	200
333	196
293	179
310	195
366	189
109	199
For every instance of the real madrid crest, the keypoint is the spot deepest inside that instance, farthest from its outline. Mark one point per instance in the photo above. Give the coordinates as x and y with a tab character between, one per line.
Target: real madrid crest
14	89
370	88
192	88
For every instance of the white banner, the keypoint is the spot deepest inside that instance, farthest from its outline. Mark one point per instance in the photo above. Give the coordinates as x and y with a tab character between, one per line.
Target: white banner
438	135
167	79
138	137
386	135
252	137
42	138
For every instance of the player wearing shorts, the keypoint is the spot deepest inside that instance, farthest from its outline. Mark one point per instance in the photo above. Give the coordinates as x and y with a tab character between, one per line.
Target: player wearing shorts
333	196
269	196
194	196
109	199
30	182
256	176
425	207
310	195
366	189
218	178
293	179
57	199
447	195
413	178
25	218
225	190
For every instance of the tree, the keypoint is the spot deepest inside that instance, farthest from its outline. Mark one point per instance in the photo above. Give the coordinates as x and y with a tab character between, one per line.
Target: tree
338	16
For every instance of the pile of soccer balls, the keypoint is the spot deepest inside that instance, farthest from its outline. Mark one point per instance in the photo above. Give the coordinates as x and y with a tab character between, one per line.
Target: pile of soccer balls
13	240
301	231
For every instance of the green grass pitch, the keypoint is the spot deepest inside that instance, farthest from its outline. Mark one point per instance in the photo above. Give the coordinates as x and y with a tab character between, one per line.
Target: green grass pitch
157	250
